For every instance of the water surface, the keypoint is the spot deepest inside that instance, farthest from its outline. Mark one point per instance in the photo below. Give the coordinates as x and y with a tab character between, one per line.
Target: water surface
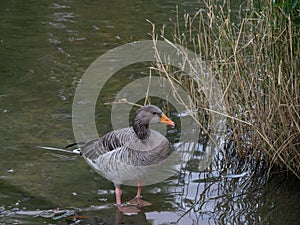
45	48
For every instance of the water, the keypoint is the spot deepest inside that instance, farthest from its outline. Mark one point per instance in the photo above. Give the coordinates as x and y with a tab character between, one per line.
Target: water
45	48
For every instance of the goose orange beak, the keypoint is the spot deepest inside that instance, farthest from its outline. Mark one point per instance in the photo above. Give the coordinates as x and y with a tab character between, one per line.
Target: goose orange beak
167	121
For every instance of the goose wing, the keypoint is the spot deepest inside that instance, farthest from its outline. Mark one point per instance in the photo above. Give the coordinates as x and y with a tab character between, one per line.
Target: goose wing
109	142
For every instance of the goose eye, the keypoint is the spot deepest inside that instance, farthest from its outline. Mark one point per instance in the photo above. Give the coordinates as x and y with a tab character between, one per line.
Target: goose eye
154	113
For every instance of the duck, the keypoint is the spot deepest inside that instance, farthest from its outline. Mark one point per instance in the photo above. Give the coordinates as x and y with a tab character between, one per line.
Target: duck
127	155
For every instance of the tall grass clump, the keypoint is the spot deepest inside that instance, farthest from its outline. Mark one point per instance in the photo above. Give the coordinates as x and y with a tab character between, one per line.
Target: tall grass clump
254	52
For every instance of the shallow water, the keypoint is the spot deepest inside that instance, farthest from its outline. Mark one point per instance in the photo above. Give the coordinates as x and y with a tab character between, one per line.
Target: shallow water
45	48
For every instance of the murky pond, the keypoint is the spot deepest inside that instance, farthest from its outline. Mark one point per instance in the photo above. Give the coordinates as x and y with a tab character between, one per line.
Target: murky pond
45	48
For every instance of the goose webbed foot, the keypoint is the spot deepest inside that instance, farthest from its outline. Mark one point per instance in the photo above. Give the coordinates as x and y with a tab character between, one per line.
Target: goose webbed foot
139	202
128	209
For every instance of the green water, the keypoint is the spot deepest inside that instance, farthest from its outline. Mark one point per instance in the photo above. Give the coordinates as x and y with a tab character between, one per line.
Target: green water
45	48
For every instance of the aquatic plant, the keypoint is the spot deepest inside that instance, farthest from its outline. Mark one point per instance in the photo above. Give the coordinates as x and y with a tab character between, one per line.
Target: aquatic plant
254	52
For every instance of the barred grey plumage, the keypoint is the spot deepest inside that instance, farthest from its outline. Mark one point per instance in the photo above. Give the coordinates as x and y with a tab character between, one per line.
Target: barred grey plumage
130	154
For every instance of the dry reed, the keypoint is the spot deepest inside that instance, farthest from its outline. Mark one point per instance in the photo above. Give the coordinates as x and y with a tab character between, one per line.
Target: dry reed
255	55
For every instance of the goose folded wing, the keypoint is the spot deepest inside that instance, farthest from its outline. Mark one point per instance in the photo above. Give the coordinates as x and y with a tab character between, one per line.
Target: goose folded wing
109	142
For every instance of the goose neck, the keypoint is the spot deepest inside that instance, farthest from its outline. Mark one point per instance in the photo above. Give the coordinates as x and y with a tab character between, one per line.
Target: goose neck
141	130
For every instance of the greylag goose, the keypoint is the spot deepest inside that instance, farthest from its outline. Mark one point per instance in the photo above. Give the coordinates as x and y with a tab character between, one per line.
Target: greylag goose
126	154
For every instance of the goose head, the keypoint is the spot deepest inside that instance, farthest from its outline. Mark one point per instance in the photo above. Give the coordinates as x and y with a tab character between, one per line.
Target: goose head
149	114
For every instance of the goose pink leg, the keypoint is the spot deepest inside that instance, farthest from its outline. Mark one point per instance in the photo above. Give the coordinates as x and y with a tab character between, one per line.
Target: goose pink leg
139	191
118	195
123	208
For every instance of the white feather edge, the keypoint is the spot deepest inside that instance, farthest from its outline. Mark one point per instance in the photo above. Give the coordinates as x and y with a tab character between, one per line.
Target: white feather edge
75	151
